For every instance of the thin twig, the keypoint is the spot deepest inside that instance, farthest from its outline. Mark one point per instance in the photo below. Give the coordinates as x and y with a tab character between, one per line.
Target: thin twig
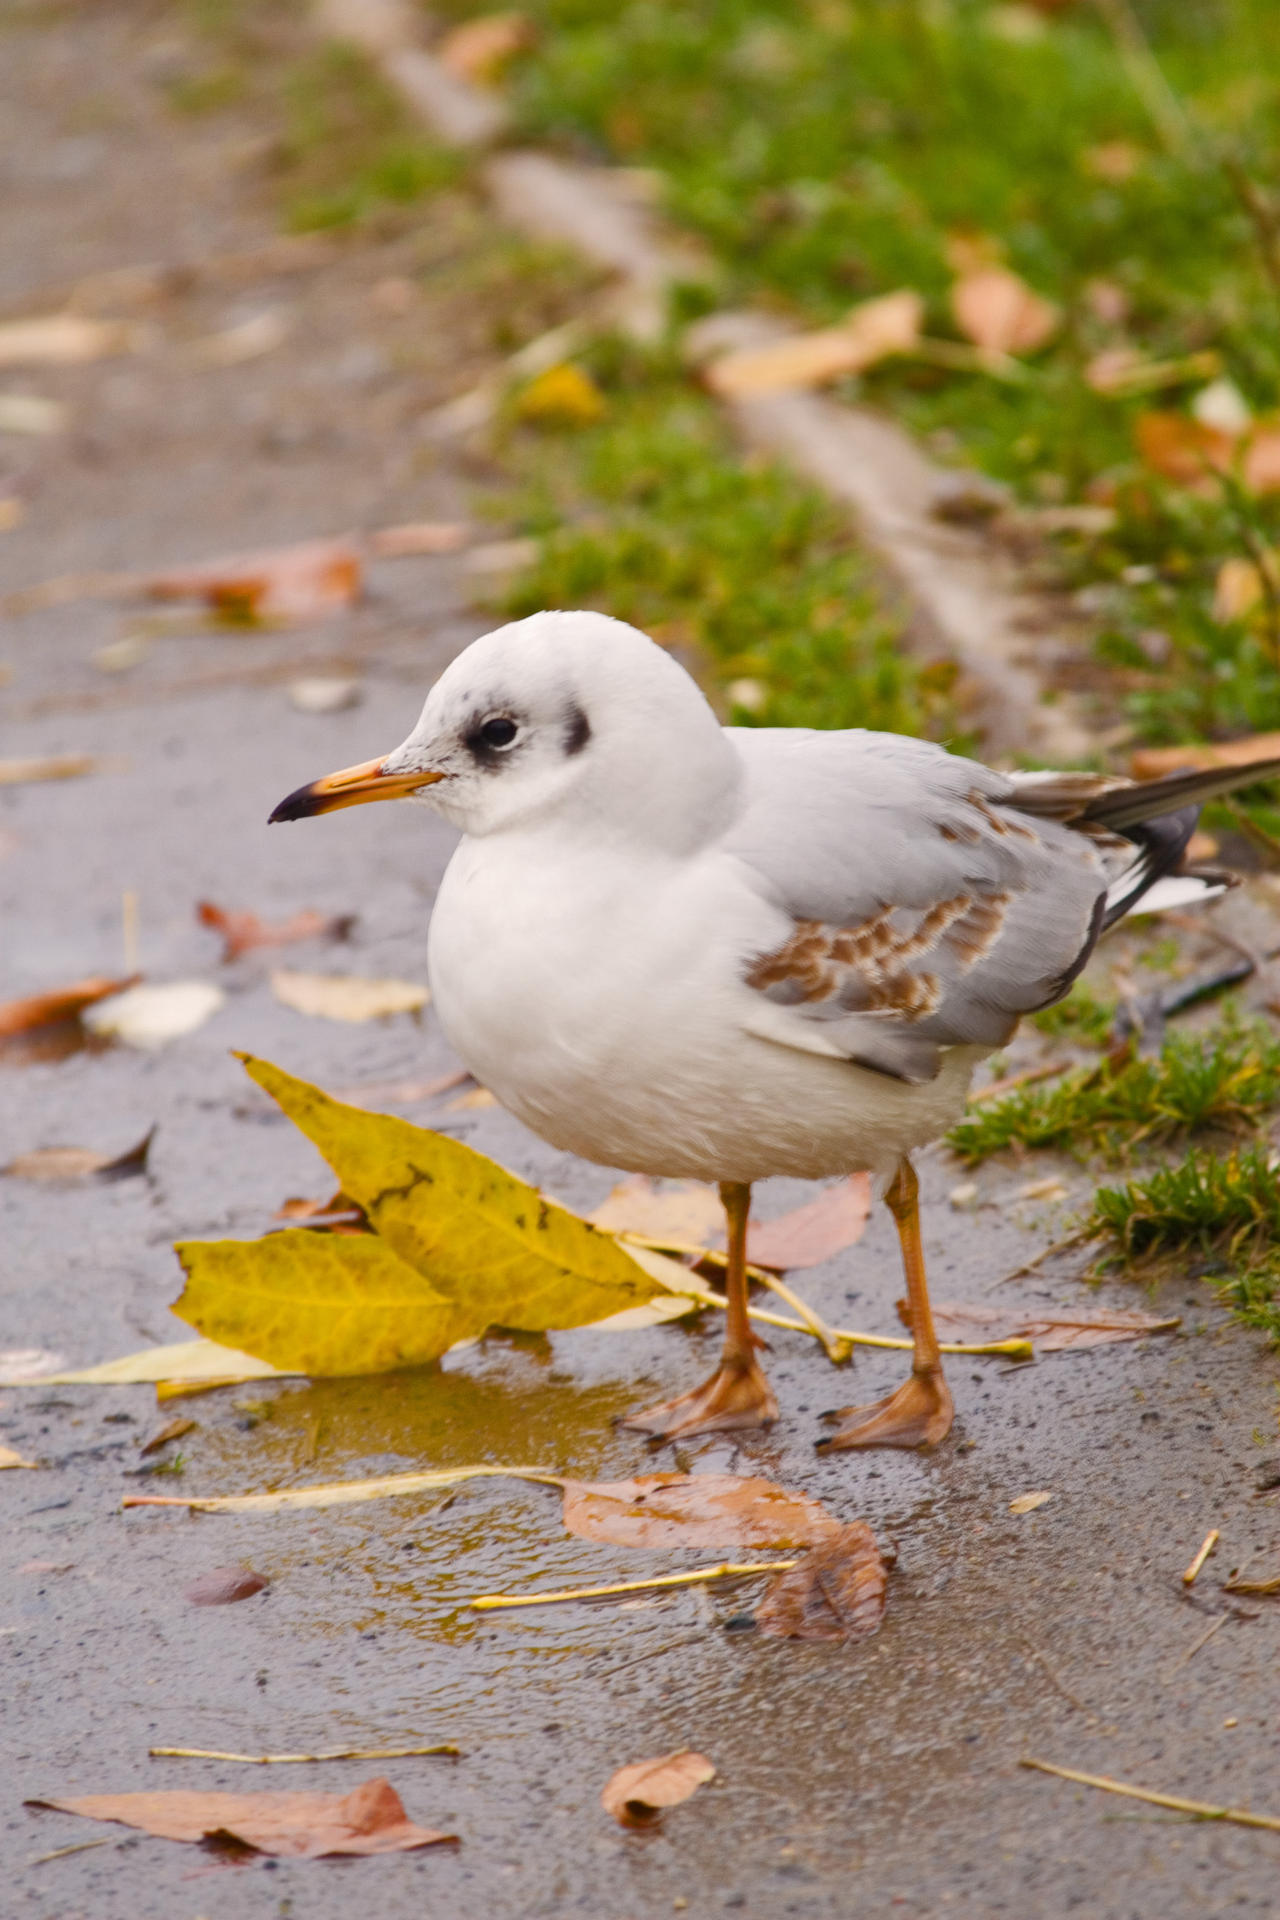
1145	72
1057	1679
1207	1546
839	1346
1237	1815
1196	1645
78	1846
728	1570
283	1759
1047	1253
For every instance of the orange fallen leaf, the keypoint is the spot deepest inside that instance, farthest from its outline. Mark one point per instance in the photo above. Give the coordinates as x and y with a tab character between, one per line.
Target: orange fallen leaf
1261	470
51	1009
58	1164
479	50
1150	763
833	1220
222	1586
684	1214
301	582
686	1211
837	1592
419	536
636	1795
695	1510
872	332
299	1826
243	931
1052	1332
338	1214
996	309
1184	450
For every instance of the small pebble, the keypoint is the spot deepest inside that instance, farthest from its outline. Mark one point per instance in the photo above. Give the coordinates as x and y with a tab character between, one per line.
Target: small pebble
323	695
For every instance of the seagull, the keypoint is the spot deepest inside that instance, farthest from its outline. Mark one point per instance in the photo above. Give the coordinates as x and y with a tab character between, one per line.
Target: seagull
724	953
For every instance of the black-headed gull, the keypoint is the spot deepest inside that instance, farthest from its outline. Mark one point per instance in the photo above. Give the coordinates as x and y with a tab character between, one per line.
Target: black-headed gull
725	953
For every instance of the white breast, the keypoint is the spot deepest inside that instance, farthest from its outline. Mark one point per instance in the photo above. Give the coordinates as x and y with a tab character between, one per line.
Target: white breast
603	1003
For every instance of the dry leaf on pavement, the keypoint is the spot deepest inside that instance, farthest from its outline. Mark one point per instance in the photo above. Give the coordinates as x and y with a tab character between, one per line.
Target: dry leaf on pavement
1149	763
837	1592
18	1017
996	309
302	582
299	1826
687	1214
418	537
683	1213
347	996
223	1586
1184	450
196	1362
80	1163
695	1510
243	931
62	340
637	1794
833	1220
1028	1502
151	1016
47	766
1053	1332
8	1458
873	331
480	50
172	1430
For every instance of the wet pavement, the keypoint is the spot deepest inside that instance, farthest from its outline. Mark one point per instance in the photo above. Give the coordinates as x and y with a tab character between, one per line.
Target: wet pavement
881	1778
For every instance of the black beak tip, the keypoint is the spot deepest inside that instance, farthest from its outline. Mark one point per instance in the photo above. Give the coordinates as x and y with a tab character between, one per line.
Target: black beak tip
298	805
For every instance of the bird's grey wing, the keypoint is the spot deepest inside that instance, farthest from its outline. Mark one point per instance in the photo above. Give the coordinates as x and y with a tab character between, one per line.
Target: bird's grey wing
927	909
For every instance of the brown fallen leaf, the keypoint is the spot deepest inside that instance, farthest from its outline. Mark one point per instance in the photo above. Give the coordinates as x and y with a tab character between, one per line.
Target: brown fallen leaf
344	996
1185	450
836	1592
47	766
419	536
833	1220
996	309
243	931
1053	1332
1150	763
686	1214
302	582
873	331
695	1510
480	50
637	1794
8	1458
62	340
338	1214
686	1211
173	1431
19	1017
1261	469
222	1586
80	1163
299	1826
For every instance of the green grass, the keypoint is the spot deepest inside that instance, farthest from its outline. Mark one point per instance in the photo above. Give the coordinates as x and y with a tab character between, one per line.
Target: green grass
1083	1017
1225	1209
652	515
834	150
1228	1079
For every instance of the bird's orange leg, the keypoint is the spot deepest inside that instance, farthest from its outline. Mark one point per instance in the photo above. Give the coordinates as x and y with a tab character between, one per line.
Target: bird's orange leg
919	1413
737	1395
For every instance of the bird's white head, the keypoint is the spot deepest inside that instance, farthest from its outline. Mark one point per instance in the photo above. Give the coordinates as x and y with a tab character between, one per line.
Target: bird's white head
567	716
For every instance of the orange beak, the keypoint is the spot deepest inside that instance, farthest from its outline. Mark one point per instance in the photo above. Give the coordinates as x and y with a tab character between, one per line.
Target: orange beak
351	788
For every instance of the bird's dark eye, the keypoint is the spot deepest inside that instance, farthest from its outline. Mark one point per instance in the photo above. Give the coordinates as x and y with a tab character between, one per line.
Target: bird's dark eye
498	732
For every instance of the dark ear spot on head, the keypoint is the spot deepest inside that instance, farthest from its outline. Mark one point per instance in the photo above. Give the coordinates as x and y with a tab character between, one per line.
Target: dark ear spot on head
577	730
